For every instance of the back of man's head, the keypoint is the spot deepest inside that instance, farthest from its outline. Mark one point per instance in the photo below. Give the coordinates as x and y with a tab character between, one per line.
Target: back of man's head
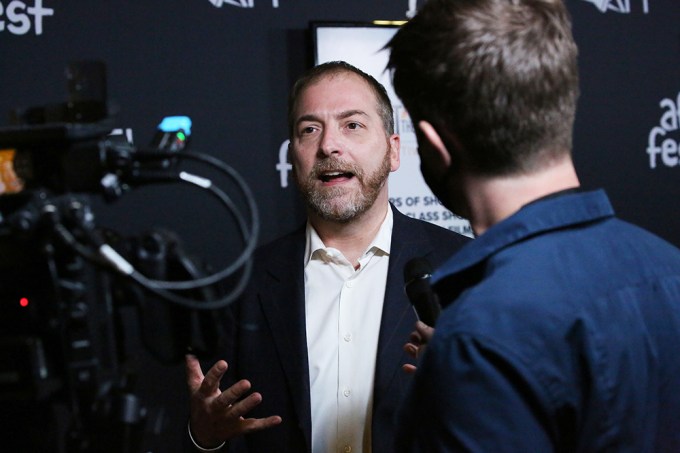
499	74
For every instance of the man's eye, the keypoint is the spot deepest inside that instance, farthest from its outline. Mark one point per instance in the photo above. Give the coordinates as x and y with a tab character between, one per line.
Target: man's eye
307	130
353	125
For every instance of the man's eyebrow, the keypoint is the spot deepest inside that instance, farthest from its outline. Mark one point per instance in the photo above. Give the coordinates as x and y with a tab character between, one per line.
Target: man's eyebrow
339	116
308	117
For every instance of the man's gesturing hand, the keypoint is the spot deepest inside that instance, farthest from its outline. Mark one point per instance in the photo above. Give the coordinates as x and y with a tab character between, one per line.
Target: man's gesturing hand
217	416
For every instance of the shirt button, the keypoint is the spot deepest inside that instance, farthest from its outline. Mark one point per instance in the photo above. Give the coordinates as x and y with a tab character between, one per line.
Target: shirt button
349	284
348	337
348	449
347	392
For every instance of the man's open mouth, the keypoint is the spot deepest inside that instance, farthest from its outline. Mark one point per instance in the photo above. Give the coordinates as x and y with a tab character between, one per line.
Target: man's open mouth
334	175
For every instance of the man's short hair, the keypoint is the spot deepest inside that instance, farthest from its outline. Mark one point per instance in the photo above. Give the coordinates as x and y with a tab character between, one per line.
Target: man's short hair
501	75
338	67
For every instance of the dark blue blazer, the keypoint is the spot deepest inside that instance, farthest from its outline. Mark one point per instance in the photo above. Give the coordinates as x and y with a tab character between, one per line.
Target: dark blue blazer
267	342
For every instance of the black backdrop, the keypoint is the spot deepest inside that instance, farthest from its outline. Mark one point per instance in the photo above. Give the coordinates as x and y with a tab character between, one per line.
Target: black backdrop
229	64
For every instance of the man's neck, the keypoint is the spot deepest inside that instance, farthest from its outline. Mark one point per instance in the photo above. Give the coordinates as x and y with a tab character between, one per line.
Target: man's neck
352	238
491	200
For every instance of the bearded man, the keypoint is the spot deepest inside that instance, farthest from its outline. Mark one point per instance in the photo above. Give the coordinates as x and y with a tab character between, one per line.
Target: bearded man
318	334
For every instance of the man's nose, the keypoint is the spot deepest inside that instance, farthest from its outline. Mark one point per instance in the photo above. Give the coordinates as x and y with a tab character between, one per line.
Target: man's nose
330	143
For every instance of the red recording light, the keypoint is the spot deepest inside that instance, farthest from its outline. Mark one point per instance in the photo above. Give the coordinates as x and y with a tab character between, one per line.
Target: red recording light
23	301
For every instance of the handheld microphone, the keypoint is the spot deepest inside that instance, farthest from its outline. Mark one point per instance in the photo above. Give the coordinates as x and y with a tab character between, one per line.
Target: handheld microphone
417	273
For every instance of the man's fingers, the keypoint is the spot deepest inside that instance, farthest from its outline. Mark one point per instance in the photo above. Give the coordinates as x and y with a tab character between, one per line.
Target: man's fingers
414	337
193	372
241	408
424	331
237	406
211	382
221	415
415	348
257	424
231	395
408	368
411	349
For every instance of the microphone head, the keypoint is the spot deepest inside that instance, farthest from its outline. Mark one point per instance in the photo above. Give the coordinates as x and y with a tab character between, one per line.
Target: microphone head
417	268
417	273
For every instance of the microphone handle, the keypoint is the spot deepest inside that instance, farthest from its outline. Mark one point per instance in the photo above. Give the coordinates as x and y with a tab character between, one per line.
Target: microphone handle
427	308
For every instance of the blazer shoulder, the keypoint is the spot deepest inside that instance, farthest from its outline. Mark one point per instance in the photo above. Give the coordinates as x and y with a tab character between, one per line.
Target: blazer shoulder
417	238
427	230
282	246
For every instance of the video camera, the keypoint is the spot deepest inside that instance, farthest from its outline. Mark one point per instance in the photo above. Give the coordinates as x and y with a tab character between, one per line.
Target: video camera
65	280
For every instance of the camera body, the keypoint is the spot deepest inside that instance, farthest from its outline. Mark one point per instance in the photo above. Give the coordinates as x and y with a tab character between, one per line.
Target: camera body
62	332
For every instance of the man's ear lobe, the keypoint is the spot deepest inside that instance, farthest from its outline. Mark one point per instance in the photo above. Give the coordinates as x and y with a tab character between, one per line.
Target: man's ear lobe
435	141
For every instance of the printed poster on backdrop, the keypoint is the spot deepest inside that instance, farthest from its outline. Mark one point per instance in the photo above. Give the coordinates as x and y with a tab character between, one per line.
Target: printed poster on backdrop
361	45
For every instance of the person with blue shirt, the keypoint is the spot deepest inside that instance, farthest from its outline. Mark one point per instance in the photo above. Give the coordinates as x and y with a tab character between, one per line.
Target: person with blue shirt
561	326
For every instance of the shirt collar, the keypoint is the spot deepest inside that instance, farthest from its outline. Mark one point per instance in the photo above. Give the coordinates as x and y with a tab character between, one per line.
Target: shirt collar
382	241
534	218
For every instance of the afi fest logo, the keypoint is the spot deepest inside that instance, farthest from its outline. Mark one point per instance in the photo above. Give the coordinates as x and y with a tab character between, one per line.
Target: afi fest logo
660	144
619	6
18	18
240	3
275	4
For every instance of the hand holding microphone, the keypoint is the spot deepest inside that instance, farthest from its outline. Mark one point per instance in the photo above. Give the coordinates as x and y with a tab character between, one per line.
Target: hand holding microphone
417	273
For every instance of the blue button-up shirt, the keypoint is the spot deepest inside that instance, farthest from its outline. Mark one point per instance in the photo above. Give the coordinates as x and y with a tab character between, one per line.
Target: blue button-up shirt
562	334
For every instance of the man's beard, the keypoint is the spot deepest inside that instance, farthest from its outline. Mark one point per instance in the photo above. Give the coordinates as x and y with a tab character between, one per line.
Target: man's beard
342	204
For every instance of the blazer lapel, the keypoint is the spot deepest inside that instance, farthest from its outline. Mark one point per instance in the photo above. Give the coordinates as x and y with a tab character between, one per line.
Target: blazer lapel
398	318
283	305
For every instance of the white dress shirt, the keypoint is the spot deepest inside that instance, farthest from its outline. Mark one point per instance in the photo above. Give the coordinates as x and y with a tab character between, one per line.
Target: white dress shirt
343	308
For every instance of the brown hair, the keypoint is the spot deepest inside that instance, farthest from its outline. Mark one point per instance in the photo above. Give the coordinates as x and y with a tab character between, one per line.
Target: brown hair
500	74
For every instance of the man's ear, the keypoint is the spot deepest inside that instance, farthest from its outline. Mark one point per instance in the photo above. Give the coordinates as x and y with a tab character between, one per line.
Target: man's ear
435	141
394	142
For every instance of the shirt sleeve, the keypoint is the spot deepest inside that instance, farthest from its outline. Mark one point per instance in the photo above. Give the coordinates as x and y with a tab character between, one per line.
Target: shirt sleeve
469	396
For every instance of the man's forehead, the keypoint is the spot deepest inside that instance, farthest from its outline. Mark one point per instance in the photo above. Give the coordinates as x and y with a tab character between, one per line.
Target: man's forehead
360	91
